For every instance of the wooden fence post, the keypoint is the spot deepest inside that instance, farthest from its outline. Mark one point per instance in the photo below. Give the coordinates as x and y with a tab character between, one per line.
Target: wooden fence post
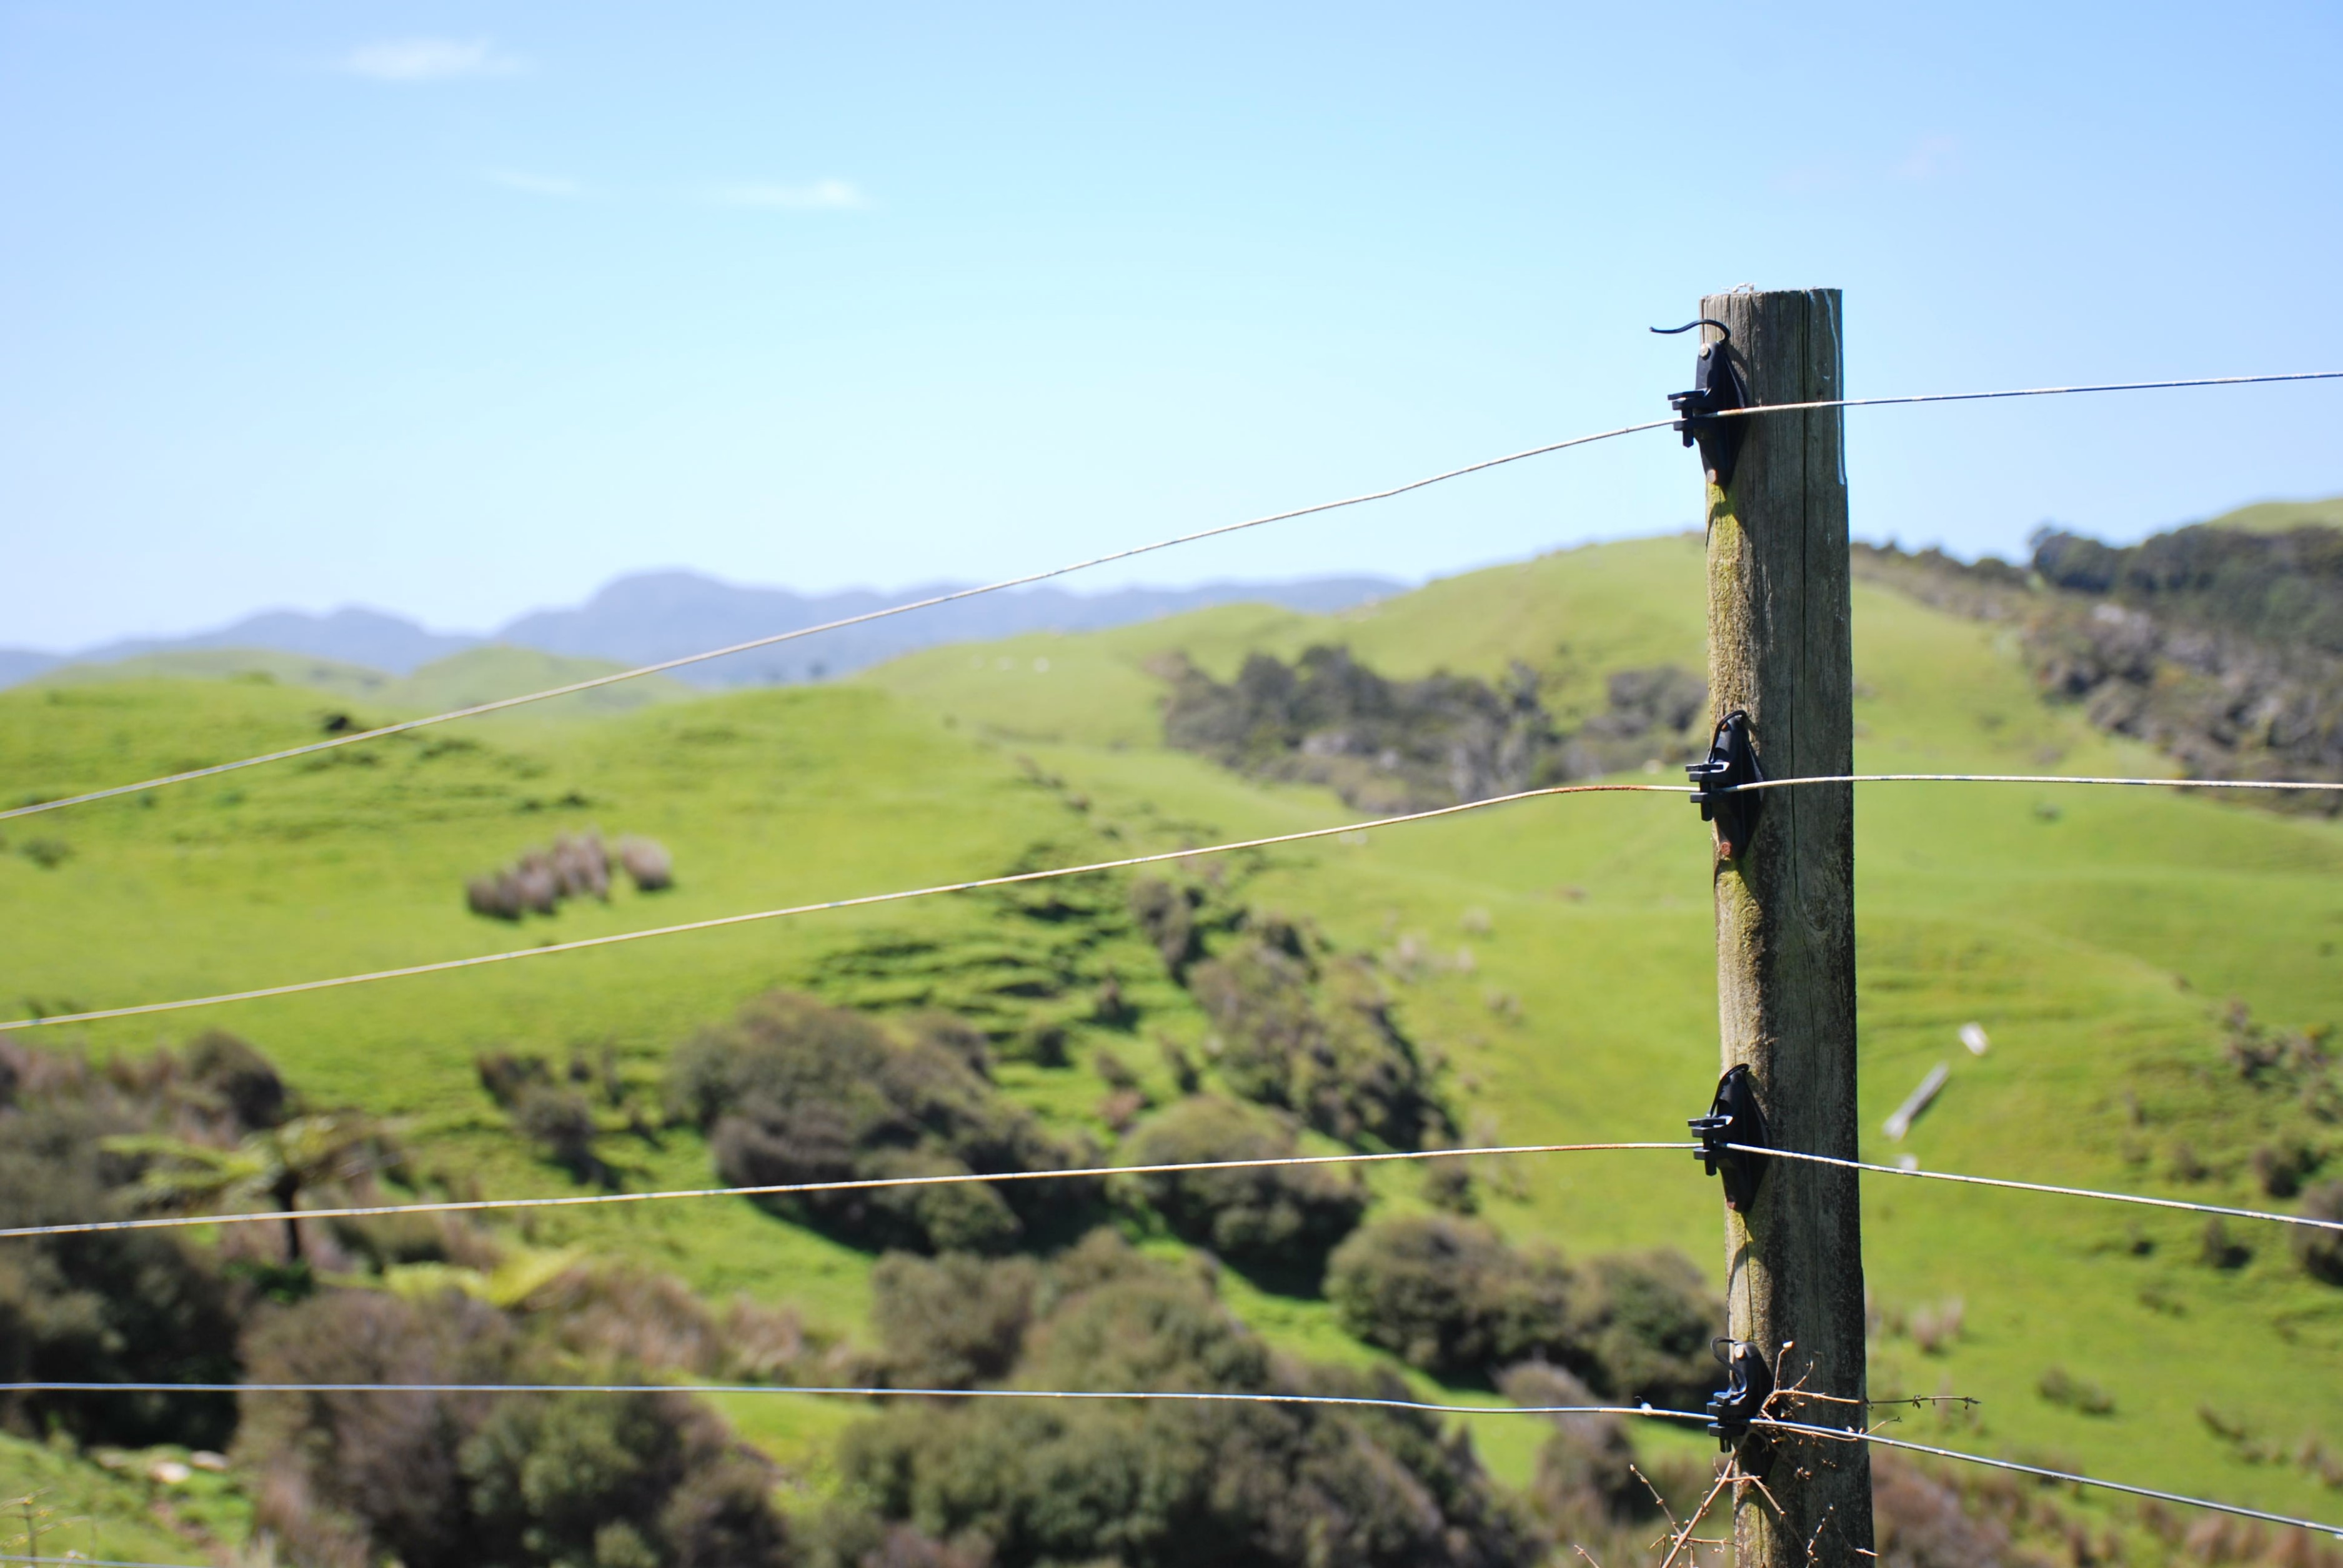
1778	647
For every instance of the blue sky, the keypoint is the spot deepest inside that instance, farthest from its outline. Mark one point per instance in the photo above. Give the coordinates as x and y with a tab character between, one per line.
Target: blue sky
459	310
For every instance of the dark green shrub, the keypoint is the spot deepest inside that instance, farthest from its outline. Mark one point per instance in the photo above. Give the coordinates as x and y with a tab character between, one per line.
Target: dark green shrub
560	1123
1383	745
452	1480
1315	1035
2060	1386
1448	1295
953	1323
46	853
2282	587
1585	1486
794	1091
2320	1252
1452	1297
845	1536
616	1480
623	1316
958	1036
1287	1215
1166	916
1447	1185
507	1076
1918	1522
1643	1323
1172	1485
104	1306
245	1081
344	1475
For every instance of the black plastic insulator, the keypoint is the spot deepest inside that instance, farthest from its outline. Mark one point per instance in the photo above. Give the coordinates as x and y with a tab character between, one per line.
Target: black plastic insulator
1748	1384
1733	1119
1716	386
1716	780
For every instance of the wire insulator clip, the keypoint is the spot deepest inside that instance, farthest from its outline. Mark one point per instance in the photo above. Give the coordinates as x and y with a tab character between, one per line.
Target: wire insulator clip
1732	761
1748	1384
1734	1118
1716	386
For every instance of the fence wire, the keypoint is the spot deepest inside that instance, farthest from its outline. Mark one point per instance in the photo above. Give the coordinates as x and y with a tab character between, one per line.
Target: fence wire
1640	1411
1127	863
638	672
799	1189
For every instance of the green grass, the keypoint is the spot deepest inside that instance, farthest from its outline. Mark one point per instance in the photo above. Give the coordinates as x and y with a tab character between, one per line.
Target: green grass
2276	517
73	1503
256	666
2094	934
465	679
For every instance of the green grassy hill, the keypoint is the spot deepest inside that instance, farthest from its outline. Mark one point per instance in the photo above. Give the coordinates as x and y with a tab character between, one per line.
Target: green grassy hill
1556	954
2094	934
261	666
463	679
2276	517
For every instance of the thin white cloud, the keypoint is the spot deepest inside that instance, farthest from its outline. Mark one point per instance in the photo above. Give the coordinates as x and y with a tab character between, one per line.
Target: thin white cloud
819	196
534	185
429	60
1934	158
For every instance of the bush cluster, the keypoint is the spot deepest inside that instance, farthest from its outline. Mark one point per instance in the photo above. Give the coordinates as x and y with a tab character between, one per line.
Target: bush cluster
2320	1252
1166	916
1387	745
112	1306
1590	1489
953	1322
1659	712
1282	1217
793	1091
1384	745
1313	1031
1448	1295
2283	587
118	1306
1162	1486
636	1481
1918	1522
1451	1296
2222	647
554	1115
453	1480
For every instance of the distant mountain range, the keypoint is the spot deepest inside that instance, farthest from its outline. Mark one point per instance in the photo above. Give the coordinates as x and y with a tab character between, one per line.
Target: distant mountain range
655	616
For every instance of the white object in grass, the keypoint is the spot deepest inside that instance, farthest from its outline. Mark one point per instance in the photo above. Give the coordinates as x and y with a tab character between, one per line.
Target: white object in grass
1916	1101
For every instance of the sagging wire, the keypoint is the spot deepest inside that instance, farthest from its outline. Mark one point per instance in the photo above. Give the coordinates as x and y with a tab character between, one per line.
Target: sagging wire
1842	1434
973	885
789	1189
404	726
2142	1199
976	884
1639	1412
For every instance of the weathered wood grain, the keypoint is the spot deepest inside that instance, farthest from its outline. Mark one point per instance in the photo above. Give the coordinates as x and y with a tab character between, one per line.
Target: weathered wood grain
1779	646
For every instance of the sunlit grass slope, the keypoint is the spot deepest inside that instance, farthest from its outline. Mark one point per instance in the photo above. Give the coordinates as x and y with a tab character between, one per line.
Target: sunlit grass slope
63	1505
2094	935
357	859
2276	517
463	679
260	666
